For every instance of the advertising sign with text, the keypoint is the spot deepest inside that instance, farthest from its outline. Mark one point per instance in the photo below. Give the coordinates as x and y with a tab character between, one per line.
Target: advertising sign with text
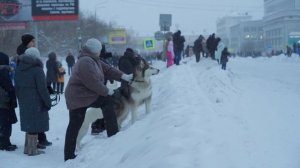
55	9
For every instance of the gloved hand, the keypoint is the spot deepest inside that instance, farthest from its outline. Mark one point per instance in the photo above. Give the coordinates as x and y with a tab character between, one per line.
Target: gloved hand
110	92
127	78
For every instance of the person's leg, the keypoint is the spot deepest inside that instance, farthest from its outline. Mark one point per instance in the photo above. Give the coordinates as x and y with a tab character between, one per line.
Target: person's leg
76	118
69	70
42	140
54	86
5	133
58	87
197	57
62	85
32	143
107	106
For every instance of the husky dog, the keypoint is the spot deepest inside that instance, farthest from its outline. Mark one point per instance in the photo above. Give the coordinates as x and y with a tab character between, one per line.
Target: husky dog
90	116
140	92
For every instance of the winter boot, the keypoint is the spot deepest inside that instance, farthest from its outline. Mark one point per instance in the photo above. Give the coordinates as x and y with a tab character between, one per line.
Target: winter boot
32	145
5	144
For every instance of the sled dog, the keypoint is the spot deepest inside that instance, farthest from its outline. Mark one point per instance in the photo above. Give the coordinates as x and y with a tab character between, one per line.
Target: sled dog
91	115
140	92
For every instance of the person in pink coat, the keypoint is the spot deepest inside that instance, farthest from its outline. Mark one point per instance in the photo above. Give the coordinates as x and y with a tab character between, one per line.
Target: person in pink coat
170	52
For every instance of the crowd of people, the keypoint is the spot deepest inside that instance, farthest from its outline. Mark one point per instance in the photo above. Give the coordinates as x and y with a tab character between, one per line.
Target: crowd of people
211	47
26	78
23	76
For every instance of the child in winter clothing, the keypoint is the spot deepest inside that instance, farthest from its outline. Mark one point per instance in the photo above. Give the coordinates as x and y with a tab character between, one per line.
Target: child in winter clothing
170	52
224	58
60	78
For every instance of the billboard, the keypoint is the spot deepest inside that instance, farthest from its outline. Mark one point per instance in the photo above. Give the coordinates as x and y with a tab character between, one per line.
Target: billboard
15	11
117	36
55	9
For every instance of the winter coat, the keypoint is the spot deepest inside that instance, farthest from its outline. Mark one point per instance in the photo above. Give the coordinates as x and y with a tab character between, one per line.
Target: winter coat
198	45
87	82
70	60
127	62
178	42
220	48
33	97
224	57
61	75
52	68
8	101
170	54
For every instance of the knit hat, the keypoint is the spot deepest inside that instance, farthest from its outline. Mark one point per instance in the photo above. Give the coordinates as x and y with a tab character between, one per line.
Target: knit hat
34	52
26	39
93	45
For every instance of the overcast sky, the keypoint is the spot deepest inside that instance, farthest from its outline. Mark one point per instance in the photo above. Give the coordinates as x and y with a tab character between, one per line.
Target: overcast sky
190	16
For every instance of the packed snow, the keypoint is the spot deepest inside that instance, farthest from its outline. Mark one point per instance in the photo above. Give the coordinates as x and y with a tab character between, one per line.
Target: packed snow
202	117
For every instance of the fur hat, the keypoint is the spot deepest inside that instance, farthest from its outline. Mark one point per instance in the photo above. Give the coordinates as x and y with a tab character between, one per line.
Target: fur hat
93	45
34	52
26	39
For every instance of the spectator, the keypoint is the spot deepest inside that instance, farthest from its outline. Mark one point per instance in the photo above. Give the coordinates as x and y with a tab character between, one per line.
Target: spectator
60	78
52	71
126	65
29	41
33	98
224	58
220	48
8	103
198	47
170	52
178	41
70	61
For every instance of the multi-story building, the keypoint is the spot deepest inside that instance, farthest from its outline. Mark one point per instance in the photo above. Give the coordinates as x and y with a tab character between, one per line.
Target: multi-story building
225	23
246	38
281	21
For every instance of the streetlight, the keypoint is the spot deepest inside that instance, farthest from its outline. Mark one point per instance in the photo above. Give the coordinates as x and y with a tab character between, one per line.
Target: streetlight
79	38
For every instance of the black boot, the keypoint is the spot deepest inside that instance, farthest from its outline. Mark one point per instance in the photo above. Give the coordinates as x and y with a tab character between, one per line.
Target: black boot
42	140
6	145
98	126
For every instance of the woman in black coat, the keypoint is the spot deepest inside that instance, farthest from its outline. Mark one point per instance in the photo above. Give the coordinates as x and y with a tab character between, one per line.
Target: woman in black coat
52	70
8	103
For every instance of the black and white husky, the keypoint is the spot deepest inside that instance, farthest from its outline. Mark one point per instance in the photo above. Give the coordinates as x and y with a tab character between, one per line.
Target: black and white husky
140	93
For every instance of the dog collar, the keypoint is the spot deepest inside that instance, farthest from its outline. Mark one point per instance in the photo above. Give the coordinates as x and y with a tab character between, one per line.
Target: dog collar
138	81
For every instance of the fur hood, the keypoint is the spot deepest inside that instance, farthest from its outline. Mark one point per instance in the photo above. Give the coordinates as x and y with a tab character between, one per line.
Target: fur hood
26	62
